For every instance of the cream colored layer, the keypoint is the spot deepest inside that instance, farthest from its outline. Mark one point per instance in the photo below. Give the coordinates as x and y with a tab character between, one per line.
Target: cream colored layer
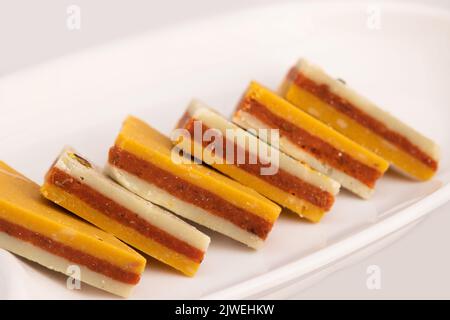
319	76
154	215
247	121
184	209
212	119
59	264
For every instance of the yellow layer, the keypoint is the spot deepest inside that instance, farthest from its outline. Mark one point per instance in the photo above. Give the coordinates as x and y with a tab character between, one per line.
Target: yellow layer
290	113
297	205
22	204
128	235
402	160
148	144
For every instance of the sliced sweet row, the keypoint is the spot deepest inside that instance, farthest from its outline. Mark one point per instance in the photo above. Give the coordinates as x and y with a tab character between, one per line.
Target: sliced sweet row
327	136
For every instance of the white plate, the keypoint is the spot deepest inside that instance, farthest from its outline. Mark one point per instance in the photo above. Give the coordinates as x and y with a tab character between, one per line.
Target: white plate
81	100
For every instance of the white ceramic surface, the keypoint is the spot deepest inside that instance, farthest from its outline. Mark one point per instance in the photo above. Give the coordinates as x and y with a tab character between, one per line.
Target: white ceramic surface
81	100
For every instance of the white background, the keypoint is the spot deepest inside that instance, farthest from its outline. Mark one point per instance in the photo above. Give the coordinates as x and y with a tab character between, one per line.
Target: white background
417	266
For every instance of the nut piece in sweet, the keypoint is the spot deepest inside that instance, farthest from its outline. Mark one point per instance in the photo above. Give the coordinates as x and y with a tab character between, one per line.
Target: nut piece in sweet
80	159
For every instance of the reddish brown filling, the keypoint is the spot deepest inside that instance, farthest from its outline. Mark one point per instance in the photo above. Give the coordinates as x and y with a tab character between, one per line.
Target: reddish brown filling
188	192
312	144
73	255
121	214
282	179
323	92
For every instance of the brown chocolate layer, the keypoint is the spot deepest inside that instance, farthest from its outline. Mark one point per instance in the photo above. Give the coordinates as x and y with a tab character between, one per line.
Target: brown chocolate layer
312	144
73	255
117	212
188	192
282	179
324	93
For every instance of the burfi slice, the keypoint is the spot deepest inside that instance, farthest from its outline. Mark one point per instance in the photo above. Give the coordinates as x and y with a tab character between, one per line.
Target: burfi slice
145	162
75	184
255	164
35	229
307	139
331	101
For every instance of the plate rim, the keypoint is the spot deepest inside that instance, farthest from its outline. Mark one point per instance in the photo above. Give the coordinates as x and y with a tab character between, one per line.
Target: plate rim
305	265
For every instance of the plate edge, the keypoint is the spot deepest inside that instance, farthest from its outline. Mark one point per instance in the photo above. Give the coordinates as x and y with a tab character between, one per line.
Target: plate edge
345	247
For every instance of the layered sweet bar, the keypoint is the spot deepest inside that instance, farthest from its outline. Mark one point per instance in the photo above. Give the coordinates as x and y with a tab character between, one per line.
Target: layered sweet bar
307	139
254	163
78	186
143	161
35	229
331	101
